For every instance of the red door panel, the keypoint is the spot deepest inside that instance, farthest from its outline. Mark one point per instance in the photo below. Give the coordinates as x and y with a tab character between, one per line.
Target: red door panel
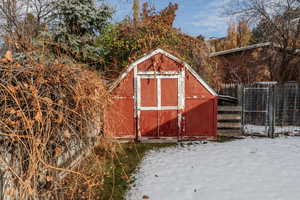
149	92
168	120
198	118
148	123
169	92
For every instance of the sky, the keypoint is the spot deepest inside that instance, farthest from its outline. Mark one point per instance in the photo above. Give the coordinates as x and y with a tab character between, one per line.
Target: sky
194	17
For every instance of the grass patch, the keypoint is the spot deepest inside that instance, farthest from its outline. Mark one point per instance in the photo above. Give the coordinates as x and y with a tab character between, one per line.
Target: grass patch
120	167
112	165
222	139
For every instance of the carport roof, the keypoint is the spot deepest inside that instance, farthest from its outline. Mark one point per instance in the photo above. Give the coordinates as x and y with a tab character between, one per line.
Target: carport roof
220	53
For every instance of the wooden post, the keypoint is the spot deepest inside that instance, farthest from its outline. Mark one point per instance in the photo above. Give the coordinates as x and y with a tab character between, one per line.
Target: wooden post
240	93
243	109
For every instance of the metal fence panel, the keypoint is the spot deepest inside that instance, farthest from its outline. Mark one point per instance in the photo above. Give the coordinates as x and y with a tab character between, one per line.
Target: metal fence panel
268	108
255	110
287	108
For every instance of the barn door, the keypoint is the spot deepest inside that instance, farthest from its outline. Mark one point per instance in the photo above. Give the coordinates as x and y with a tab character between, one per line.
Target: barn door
159	103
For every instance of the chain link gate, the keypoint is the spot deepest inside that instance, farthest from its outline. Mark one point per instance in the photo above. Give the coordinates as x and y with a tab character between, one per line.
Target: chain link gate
258	111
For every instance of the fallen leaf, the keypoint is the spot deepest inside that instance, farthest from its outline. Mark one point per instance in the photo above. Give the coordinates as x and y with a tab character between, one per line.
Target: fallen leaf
39	116
61	102
11	88
67	134
60	118
48	100
29	124
58	151
8	56
49	178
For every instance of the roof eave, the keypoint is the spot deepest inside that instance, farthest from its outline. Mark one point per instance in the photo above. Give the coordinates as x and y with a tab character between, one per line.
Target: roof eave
221	53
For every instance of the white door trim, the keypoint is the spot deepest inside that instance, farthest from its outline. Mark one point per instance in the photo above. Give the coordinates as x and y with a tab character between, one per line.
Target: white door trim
158	76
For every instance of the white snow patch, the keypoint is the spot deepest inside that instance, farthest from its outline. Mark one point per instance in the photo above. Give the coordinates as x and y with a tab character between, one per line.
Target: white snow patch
260	169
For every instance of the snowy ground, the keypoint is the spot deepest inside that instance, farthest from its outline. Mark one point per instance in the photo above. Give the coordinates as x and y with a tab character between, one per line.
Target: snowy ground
249	169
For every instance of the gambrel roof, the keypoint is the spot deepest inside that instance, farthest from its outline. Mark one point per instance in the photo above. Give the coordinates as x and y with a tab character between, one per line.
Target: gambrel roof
160	51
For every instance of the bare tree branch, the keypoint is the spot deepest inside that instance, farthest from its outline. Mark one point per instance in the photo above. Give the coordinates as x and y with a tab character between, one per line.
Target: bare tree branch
13	13
279	23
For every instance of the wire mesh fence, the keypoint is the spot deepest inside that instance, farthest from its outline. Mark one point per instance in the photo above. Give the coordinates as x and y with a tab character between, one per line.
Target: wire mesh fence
287	108
255	110
268	108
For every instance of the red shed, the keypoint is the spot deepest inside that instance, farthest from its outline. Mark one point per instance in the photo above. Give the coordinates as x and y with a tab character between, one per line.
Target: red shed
161	97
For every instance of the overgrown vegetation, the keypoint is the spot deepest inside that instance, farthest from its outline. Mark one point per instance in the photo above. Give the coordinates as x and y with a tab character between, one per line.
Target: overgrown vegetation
128	40
51	104
117	168
76	27
238	35
49	109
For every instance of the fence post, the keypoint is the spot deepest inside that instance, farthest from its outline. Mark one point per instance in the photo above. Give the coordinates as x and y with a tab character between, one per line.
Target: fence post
243	108
239	96
285	101
295	106
271	112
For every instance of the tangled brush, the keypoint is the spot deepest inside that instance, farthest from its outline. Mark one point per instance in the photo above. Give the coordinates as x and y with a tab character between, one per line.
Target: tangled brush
48	110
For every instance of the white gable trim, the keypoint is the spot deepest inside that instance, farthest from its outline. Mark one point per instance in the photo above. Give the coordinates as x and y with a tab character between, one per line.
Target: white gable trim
187	66
196	75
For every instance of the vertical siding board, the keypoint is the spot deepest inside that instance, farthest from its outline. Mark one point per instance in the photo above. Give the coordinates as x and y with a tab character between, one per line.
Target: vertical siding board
121	124
200	114
215	122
